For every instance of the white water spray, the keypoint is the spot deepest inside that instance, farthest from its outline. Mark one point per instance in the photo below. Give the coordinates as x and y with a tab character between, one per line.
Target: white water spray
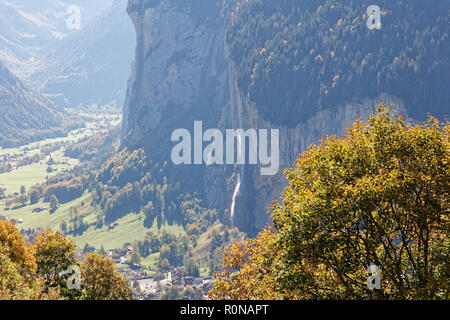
240	176
237	102
233	202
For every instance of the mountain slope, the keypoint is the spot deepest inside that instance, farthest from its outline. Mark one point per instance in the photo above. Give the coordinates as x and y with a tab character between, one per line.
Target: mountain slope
320	54
25	116
93	65
307	68
29	29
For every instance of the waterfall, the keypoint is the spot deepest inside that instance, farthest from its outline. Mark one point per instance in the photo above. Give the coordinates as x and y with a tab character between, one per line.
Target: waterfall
236	112
241	175
233	202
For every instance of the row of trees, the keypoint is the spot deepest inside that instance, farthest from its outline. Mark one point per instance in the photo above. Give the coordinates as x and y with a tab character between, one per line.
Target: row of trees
54	192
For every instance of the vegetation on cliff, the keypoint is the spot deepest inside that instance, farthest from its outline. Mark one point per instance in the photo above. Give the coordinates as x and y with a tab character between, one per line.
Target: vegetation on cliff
294	58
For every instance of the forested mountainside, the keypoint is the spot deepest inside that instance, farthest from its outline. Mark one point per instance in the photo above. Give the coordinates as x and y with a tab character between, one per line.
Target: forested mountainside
25	116
307	68
320	54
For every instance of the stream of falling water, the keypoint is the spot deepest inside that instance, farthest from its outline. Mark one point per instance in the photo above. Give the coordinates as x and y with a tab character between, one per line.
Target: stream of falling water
240	176
233	202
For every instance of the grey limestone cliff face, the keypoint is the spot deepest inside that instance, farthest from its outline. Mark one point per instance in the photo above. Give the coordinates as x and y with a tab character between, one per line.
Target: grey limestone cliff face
179	65
254	192
182	73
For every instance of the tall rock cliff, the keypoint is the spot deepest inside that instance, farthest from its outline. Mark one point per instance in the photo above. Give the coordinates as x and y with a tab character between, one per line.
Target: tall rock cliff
180	65
308	70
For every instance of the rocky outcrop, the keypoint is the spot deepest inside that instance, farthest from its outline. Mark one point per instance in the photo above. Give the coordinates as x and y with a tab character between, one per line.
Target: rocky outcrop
179	68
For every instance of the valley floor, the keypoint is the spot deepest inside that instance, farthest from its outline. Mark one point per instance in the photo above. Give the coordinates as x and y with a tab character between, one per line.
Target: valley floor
31	165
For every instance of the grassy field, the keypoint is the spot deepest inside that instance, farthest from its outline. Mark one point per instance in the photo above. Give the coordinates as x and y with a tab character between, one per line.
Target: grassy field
51	220
150	261
128	229
35	173
24	176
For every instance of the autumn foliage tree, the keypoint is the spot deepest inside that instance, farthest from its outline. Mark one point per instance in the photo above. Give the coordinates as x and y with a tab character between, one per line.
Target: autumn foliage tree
18	266
101	281
32	272
379	195
18	252
54	254
16	286
247	272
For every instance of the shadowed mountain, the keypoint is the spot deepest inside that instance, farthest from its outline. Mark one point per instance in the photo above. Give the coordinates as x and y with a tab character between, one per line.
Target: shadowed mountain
30	29
26	116
93	65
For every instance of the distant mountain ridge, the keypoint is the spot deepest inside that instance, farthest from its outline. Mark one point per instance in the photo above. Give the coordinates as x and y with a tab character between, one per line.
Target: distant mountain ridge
71	67
29	29
93	65
26	116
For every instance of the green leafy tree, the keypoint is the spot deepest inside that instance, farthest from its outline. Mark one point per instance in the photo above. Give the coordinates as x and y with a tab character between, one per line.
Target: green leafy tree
173	292
54	254
135	257
379	195
35	195
101	281
63	227
192	268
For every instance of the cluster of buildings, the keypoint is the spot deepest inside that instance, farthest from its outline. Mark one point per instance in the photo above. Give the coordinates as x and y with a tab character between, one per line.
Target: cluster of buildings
152	287
152	282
